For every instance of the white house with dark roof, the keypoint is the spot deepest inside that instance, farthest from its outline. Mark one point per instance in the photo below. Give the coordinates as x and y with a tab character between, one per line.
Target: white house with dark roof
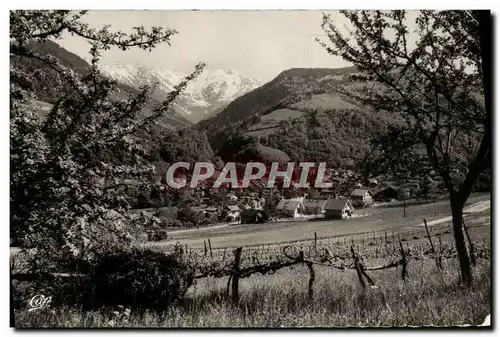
292	208
233	212
362	197
338	209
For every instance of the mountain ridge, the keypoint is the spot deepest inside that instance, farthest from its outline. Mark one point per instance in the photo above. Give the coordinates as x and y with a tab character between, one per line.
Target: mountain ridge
204	96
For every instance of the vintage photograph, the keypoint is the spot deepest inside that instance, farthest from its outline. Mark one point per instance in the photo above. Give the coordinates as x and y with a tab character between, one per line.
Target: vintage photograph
250	168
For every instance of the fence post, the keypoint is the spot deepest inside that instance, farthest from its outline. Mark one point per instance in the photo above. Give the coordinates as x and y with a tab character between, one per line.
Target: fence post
312	277
205	244
358	270
404	261
236	275
471	245
315	244
210	247
438	260
228	284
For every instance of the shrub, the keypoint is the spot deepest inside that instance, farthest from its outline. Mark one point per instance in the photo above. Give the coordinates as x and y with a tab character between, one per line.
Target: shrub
141	279
157	235
132	278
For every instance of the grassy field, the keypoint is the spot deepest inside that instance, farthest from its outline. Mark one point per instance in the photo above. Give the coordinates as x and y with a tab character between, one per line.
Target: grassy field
428	296
373	219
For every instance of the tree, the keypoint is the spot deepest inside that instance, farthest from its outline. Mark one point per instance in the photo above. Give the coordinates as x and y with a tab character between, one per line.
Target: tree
65	171
440	84
238	147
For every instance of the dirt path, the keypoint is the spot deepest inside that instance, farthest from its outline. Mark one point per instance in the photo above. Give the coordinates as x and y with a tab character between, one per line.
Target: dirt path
201	229
477	207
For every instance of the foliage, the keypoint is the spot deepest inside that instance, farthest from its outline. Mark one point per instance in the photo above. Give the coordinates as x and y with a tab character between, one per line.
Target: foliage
438	86
141	278
130	277
237	148
187	145
64	171
332	136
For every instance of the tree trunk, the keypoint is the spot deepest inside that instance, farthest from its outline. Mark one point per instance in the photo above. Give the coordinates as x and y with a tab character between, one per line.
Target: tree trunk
463	257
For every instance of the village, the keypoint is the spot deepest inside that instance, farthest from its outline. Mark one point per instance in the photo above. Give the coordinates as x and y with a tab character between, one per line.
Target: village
211	206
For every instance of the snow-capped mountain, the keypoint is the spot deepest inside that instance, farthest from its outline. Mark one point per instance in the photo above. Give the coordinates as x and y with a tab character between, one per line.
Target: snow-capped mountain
206	95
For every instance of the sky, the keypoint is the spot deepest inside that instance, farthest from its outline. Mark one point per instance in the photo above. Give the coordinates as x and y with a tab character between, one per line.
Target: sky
258	44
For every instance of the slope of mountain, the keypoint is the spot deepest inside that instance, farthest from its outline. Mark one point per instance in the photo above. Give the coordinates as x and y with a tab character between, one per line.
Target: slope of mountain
208	94
44	89
301	113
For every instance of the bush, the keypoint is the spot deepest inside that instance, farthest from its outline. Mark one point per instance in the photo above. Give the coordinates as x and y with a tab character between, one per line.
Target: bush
141	279
132	278
157	235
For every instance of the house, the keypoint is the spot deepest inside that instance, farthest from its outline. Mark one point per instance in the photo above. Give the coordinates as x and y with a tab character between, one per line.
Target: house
211	210
338	209
252	203
314	206
291	208
253	216
362	197
373	182
207	211
386	194
232	212
231	197
328	193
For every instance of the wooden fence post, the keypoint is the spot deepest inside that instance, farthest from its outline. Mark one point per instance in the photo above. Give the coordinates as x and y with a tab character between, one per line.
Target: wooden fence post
404	261
228	284
205	244
438	260
315	244
358	270
236	275
471	245
312	277
210	247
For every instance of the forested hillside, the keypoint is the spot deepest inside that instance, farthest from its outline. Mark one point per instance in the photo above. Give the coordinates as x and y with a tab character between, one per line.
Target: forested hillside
301	113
